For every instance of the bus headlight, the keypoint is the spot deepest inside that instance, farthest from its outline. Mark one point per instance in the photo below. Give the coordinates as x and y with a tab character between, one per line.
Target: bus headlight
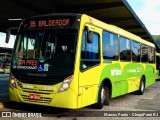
12	81
66	84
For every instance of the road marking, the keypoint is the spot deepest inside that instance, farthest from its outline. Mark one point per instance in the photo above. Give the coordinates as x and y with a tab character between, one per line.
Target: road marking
1	106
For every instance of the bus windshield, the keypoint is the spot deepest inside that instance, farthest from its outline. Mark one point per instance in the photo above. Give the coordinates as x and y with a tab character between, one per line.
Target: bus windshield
50	50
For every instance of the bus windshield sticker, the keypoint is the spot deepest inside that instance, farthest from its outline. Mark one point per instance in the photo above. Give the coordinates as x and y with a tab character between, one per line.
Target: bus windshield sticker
41	59
41	67
46	67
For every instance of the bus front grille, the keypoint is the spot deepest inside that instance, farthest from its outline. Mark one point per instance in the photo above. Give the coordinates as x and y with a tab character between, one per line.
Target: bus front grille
40	91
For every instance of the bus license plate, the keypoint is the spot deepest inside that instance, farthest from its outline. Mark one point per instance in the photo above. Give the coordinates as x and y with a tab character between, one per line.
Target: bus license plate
34	96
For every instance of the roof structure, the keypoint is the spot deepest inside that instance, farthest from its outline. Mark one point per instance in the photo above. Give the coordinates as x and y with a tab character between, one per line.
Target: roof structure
116	12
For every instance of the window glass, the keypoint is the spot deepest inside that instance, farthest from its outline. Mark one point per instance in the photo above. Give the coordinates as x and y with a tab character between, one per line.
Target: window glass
110	45
90	51
144	53
151	54
135	51
56	48
125	50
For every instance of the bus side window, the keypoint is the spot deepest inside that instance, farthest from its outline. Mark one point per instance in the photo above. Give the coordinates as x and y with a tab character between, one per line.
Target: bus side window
125	49
151	55
110	46
90	54
135	51
144	53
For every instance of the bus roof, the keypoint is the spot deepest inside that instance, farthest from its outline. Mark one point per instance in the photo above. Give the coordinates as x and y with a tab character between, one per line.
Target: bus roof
116	30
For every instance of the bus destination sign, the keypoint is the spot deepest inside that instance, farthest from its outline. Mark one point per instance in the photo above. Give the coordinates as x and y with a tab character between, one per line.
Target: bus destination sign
49	23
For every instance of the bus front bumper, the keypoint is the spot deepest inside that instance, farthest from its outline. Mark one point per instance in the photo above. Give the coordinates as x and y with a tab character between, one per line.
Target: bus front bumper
67	99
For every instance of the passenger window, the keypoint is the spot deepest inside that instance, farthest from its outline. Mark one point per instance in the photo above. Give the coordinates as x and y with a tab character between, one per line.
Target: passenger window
125	49
90	54
135	51
144	53
151	55
110	46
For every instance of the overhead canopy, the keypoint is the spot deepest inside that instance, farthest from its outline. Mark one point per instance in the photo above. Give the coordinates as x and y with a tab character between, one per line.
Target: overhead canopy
117	12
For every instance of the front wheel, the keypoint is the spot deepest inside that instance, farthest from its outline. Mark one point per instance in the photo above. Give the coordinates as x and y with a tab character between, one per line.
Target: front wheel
103	97
141	87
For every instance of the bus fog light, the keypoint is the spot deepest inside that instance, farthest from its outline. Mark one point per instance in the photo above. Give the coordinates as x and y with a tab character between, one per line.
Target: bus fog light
66	84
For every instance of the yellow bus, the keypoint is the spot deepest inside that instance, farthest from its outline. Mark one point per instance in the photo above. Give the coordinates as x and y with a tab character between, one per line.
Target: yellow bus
74	60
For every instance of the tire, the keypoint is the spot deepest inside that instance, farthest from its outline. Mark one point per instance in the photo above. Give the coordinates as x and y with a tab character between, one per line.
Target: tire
103	97
141	87
107	99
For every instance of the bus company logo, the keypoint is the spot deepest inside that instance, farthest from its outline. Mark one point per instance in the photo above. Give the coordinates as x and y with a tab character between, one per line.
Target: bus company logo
116	72
41	59
6	114
35	89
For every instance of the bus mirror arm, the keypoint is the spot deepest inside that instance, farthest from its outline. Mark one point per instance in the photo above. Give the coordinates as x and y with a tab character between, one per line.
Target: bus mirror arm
8	33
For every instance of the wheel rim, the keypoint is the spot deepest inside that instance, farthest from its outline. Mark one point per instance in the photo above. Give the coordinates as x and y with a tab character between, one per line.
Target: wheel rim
102	95
142	86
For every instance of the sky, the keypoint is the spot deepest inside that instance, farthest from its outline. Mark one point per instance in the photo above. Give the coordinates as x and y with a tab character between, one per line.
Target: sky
2	39
147	10
149	13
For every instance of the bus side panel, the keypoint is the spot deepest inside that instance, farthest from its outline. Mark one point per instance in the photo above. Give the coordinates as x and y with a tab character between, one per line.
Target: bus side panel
133	73
150	74
113	72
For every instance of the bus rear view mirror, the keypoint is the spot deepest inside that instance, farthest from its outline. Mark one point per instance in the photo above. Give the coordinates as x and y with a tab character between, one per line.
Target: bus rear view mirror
90	37
8	33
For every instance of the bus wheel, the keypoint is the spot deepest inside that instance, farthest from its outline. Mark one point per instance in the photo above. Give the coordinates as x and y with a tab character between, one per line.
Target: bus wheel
103	97
107	99
141	87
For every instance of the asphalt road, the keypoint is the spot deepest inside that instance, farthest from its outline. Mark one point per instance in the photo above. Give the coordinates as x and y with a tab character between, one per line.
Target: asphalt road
130	104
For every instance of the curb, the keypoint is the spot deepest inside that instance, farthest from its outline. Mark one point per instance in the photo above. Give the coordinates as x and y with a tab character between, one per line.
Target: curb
1	105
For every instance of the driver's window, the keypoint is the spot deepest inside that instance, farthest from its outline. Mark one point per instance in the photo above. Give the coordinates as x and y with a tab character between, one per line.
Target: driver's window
90	53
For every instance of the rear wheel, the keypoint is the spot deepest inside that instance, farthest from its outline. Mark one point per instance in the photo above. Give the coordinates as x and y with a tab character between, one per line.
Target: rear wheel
141	87
103	97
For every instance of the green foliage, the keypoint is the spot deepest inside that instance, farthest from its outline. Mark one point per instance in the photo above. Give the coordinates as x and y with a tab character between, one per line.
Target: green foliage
157	39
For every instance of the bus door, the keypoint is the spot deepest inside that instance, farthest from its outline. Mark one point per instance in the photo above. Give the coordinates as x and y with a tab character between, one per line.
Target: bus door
89	66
